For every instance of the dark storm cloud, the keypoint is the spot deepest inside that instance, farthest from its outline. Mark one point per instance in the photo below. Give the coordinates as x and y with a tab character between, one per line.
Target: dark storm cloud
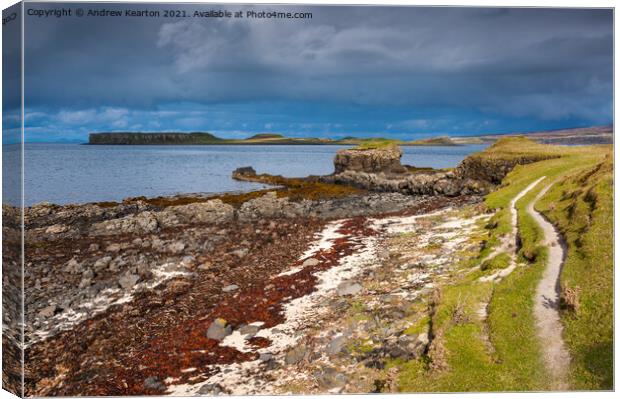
545	64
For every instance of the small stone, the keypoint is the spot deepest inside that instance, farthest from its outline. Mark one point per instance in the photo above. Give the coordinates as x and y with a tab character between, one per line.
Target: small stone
113	248
296	354
93	247
423	339
349	288
336	345
249	330
48	311
176	247
210	389
128	280
153	383
73	267
56	229
88	274
240	253
188	261
205	265
102	263
219	329
329	378
310	262
230	288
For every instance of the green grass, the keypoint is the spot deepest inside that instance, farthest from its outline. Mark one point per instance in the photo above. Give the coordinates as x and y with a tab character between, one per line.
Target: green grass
500	261
503	353
373	144
581	206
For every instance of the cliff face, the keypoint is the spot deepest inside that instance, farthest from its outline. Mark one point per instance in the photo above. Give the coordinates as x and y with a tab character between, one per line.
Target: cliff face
378	160
151	138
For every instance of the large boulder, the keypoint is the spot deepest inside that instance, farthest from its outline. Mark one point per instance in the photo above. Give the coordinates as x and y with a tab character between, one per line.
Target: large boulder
384	159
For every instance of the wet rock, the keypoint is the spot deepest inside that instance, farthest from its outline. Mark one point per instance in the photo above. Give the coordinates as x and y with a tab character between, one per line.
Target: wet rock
128	280
230	288
244	173
296	354
154	383
219	329
348	288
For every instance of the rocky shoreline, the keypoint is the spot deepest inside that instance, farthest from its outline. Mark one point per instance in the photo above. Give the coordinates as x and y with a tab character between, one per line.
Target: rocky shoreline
136	297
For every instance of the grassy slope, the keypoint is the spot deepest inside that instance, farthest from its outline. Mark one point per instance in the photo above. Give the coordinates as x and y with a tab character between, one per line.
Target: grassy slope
581	205
503	353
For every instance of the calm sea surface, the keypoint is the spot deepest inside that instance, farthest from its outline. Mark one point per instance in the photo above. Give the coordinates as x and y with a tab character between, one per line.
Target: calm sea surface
73	173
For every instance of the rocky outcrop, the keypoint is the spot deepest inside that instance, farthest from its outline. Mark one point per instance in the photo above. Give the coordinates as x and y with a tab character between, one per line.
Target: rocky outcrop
213	211
377	160
435	183
493	169
380	170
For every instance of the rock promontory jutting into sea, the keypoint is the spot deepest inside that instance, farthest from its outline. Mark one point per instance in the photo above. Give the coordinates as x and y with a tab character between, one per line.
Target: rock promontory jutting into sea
378	168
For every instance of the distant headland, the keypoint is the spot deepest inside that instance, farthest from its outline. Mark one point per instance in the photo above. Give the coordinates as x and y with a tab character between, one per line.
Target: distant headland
587	135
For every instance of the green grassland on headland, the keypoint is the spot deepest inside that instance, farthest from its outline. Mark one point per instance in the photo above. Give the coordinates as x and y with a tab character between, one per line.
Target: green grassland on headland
484	334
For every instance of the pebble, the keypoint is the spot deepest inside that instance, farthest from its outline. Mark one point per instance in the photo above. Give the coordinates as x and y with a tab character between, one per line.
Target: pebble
240	253
128	280
219	329
230	288
296	354
153	383
249	330
210	389
310	262
102	263
48	311
113	248
348	288
336	345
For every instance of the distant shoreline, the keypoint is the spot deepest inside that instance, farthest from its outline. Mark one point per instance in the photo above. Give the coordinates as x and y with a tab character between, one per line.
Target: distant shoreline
586	136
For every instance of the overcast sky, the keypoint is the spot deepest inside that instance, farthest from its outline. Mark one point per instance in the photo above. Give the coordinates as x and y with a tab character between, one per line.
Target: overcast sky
387	71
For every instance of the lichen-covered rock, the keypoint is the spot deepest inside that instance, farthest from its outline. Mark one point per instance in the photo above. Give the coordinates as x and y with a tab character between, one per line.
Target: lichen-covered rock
270	206
143	222
384	159
213	211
